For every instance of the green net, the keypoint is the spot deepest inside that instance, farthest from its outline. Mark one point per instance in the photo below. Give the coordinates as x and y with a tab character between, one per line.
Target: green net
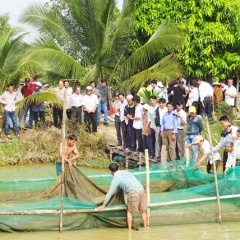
179	194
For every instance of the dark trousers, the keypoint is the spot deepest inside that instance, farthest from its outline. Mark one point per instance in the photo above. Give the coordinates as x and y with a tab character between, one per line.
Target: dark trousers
138	134
57	117
225	157
207	111
117	123
124	133
147	142
210	168
38	116
131	138
153	139
91	118
76	117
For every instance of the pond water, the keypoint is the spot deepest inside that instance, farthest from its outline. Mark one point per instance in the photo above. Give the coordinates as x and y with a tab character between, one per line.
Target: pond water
175	232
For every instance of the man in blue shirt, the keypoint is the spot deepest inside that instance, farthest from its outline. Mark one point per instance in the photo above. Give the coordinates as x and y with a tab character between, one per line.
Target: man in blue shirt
169	131
136	197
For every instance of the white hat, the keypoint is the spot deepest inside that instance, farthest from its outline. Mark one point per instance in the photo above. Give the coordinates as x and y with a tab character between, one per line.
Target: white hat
160	84
197	139
146	106
88	88
38	84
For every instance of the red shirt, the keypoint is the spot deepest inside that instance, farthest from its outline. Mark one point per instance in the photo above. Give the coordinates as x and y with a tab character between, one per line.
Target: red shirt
27	91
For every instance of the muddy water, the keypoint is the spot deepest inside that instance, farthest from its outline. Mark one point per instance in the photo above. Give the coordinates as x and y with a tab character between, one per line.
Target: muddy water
226	231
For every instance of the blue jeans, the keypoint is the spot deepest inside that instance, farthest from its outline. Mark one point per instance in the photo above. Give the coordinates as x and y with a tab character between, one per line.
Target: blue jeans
189	139
30	120
12	116
102	106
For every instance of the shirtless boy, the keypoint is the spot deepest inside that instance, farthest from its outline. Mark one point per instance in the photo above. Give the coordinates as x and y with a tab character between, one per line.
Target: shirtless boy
71	153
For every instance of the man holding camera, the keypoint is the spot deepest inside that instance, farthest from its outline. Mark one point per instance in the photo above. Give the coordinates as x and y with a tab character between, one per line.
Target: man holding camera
228	134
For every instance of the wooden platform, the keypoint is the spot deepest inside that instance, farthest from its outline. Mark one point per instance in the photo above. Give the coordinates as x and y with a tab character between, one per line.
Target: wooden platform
138	157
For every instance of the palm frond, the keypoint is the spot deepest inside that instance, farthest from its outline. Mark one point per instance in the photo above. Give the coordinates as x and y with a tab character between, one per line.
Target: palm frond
44	96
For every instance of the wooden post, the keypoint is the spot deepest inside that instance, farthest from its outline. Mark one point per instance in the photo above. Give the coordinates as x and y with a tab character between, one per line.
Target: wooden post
147	185
63	157
215	172
140	160
164	156
187	155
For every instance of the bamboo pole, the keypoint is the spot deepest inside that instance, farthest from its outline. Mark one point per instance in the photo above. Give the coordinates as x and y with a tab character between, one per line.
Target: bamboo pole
164	156
215	172
63	159
147	185
116	208
187	155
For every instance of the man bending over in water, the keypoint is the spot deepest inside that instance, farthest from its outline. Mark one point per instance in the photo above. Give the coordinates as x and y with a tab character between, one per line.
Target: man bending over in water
71	153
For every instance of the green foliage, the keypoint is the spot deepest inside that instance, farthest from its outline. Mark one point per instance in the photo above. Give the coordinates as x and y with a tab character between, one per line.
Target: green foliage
211	28
145	95
223	109
95	35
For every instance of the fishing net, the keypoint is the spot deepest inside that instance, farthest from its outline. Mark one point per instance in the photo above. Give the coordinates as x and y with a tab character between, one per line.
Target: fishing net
179	194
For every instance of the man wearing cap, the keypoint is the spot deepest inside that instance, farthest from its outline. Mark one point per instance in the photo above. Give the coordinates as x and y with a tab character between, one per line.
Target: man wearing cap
169	131
38	108
27	90
75	102
205	148
206	93
103	89
90	103
194	128
217	93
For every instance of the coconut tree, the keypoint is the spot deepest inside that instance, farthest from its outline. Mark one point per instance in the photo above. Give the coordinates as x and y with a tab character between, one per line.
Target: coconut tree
96	35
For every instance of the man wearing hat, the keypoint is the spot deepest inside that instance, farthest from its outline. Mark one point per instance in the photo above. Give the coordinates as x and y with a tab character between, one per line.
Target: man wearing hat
217	93
38	108
194	128
27	90
90	104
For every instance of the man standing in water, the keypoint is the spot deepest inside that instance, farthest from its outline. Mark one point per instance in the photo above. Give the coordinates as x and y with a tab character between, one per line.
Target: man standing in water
71	153
136	197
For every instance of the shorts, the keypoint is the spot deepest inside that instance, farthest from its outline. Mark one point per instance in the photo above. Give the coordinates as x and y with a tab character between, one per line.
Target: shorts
137	201
58	168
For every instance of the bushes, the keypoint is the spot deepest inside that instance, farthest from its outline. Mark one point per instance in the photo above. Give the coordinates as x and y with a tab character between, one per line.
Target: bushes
222	109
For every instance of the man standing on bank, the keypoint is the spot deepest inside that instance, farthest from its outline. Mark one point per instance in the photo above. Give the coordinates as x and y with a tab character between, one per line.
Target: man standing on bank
136	197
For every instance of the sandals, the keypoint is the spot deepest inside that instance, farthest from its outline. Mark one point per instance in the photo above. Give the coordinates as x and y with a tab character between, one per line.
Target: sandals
9	137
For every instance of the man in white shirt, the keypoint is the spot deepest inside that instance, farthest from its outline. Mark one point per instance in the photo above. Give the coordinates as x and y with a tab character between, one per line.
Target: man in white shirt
193	95
230	93
58	111
228	134
69	93
138	123
90	103
158	117
9	99
206	93
75	102
182	119
122	103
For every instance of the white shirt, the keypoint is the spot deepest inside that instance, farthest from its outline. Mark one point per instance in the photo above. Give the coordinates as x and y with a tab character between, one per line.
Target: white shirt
90	102
60	93
233	91
205	89
230	155
228	138
69	93
162	111
138	124
205	148
9	99
76	100
151	116
121	107
194	94
183	114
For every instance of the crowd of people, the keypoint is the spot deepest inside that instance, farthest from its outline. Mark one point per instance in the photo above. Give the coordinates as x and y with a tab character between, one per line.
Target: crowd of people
140	123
